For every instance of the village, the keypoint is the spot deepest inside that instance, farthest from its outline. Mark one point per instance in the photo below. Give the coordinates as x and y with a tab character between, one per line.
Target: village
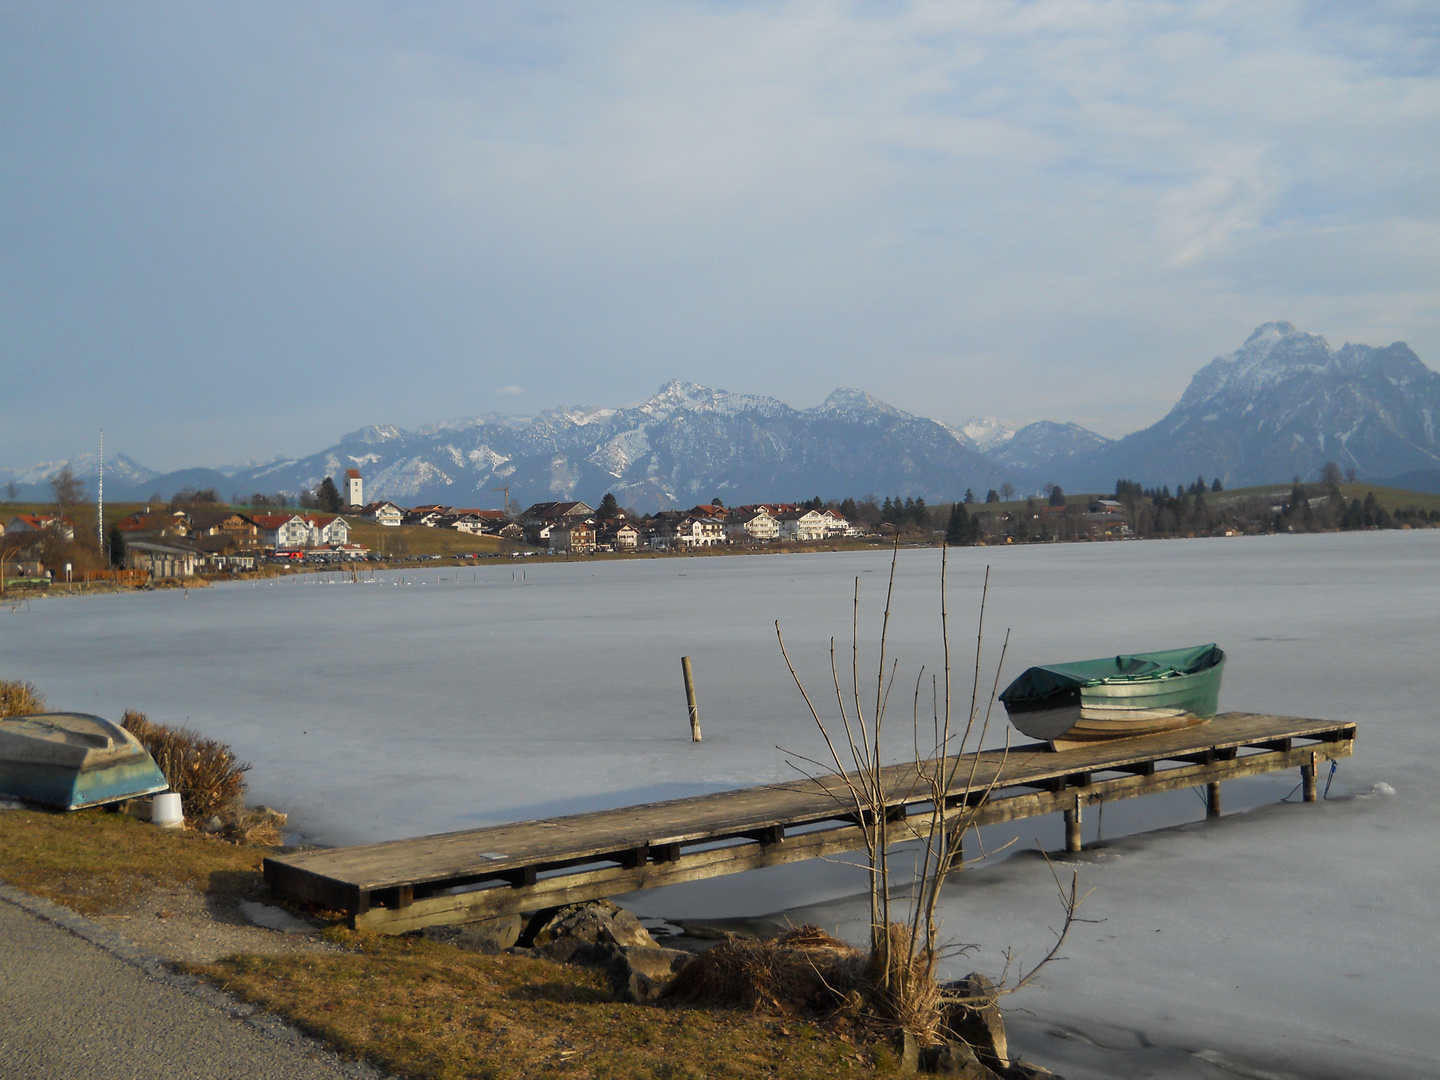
194	536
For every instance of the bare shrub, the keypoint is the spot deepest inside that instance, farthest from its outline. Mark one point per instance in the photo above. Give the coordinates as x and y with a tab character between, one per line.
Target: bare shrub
931	801
19	698
206	773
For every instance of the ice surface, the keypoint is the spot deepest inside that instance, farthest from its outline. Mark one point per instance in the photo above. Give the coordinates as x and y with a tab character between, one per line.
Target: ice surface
1284	940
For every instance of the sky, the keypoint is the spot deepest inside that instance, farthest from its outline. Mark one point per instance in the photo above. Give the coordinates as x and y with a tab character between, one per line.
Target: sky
235	231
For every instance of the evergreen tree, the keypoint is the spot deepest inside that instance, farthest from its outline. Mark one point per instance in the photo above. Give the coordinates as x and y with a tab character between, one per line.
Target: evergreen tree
969	495
919	514
887	511
1057	497
328	496
117	544
992	496
847	509
609	507
959	530
907	512
1216	486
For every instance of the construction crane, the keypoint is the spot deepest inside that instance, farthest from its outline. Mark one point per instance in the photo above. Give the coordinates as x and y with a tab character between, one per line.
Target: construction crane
506	490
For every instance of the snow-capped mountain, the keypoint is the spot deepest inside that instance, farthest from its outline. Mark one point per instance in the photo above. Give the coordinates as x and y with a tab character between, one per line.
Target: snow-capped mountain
685	445
1045	447
987	433
1283	405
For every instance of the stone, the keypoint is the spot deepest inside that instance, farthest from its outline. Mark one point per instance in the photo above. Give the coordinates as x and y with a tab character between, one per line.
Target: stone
909	1054
637	975
485	936
214	825
594	922
952	1058
273	918
1025	1070
977	1021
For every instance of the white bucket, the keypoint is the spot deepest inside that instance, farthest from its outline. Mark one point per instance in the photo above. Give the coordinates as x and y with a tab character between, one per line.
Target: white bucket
165	810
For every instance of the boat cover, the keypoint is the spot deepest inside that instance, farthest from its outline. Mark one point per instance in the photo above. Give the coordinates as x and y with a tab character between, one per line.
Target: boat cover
1039	683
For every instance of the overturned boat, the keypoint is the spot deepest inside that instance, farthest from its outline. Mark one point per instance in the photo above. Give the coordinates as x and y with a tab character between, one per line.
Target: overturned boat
73	760
1116	697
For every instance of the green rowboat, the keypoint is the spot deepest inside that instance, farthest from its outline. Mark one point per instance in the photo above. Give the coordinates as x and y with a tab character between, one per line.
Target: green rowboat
1117	696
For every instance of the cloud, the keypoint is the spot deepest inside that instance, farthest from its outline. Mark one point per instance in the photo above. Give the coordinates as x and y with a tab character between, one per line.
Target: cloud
511	389
334	215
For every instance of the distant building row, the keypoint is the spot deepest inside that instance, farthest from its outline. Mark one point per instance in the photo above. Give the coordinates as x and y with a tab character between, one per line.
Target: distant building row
176	543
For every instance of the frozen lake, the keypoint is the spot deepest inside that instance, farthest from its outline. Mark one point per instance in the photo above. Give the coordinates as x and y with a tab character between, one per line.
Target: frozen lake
1282	940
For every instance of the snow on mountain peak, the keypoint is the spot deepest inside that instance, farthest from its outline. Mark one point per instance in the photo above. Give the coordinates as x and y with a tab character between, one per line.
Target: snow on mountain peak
986	432
1274	353
848	401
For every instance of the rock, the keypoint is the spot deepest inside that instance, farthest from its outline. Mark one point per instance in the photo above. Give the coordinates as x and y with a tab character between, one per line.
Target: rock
641	975
977	1022
954	1059
594	922
1024	1070
273	918
485	936
213	825
909	1054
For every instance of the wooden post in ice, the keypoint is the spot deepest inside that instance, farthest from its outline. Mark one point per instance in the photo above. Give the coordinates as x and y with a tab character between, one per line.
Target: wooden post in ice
1307	777
1072	827
1212	799
690	698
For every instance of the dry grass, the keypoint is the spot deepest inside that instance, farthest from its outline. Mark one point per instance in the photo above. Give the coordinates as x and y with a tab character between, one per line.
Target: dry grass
206	774
19	698
807	970
803	969
420	1009
94	860
434	1012
401	540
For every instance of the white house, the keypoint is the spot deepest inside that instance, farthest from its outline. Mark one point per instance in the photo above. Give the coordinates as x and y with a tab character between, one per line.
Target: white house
33	523
383	513
803	526
751	527
283	531
328	530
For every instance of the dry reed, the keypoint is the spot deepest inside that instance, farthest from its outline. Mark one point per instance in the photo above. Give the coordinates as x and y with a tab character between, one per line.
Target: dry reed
19	698
206	773
803	969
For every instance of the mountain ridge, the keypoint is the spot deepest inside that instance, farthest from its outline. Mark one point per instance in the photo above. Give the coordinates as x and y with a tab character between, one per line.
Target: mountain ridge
1281	405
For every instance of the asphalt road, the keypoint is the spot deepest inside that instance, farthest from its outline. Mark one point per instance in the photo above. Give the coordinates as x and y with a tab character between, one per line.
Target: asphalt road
70	1010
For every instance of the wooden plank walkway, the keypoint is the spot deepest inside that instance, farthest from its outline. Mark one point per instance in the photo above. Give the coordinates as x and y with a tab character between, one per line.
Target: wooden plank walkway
406	884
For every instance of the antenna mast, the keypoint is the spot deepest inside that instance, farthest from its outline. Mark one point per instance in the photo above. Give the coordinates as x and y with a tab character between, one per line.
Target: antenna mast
100	510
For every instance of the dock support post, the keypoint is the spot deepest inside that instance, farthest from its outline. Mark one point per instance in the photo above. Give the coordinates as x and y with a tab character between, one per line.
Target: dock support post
1072	828
690	698
1307	776
1212	799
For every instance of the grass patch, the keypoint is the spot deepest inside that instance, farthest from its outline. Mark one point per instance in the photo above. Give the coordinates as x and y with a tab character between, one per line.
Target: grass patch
94	860
428	1011
398	541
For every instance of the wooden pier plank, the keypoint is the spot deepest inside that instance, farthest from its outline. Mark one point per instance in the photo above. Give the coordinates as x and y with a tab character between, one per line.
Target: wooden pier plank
645	843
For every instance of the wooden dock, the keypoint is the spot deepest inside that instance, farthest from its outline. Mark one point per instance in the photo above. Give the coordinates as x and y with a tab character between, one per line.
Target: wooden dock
479	873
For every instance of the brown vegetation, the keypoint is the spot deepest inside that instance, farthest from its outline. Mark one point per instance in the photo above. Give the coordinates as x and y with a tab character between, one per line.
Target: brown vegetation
206	773
19	698
95	860
430	1011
